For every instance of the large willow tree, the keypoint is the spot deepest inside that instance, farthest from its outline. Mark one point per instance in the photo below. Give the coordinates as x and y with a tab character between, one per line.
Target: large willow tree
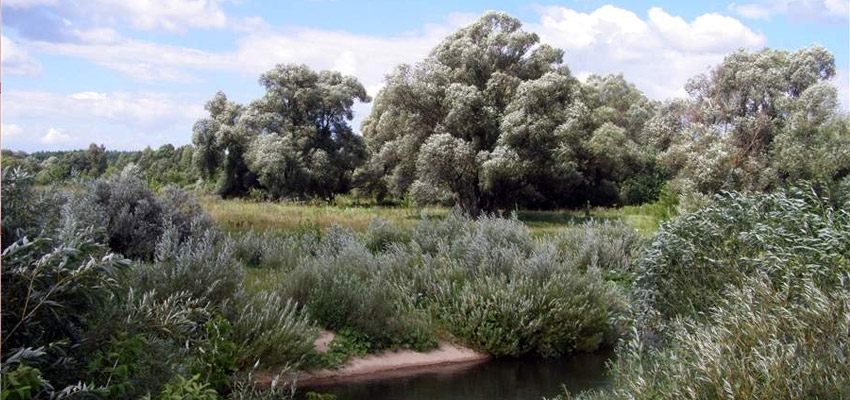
492	119
756	121
293	142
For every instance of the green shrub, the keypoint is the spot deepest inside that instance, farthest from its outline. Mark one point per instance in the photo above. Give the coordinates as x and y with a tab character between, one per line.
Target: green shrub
188	389
23	383
203	266
786	236
381	233
25	211
609	246
567	312
272	331
760	342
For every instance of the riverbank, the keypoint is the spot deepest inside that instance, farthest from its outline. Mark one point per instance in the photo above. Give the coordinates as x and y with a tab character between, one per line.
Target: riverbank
387	364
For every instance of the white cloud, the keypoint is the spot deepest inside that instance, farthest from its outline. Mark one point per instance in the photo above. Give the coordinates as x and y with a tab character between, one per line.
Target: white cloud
659	54
138	110
366	56
56	136
171	15
140	60
816	10
27	3
120	120
15	60
10	130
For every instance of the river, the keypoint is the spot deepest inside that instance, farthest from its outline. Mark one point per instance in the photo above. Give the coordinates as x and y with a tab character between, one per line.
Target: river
515	379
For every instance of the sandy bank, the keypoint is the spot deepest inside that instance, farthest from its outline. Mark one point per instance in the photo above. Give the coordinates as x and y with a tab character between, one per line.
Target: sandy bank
394	362
389	364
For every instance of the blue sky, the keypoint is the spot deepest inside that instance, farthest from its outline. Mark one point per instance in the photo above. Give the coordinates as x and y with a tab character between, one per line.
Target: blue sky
136	73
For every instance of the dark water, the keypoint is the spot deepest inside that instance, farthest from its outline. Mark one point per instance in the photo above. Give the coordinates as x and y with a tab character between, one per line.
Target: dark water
525	379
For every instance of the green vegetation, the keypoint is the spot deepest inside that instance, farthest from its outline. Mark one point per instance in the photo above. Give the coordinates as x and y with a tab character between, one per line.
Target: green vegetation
725	275
766	319
237	215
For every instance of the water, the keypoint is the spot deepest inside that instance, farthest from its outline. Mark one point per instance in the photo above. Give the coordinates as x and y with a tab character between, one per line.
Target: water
524	379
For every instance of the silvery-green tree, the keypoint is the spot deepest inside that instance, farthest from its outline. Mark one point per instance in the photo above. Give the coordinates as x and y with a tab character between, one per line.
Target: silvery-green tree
294	141
493	119
754	121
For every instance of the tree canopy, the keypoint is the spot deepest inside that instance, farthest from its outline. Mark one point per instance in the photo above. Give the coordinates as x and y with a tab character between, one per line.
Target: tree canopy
493	119
294	142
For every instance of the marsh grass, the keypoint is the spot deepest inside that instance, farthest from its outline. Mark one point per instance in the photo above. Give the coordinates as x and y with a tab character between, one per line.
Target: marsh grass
237	215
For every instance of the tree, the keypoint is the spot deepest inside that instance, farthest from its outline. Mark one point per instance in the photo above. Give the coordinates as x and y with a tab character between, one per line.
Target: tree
492	119
294	141
723	137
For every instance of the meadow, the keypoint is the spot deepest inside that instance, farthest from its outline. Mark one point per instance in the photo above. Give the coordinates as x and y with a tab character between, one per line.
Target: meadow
240	215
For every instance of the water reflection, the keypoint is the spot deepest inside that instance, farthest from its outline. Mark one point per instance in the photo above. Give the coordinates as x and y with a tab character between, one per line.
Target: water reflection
523	379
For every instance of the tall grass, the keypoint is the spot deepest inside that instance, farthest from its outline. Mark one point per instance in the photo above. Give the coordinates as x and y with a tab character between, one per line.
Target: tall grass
747	298
487	282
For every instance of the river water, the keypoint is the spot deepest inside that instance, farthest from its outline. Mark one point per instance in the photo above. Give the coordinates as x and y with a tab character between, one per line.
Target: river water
518	379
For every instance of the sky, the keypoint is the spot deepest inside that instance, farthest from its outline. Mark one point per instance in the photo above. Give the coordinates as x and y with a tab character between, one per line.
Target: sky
135	73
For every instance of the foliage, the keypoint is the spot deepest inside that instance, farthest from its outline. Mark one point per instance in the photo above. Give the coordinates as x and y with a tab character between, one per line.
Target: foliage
785	236
26	212
273	331
767	317
294	142
488	282
760	342
756	121
188	389
492	119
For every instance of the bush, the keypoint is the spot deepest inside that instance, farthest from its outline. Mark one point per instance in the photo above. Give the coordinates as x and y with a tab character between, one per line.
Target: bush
609	246
488	282
203	266
787	236
381	233
271	251
760	342
272	331
132	217
26	212
512	317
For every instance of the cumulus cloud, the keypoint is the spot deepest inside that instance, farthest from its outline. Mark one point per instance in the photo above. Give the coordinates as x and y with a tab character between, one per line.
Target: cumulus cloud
10	130
143	110
56	136
169	15
15	60
659	53
121	120
368	57
817	10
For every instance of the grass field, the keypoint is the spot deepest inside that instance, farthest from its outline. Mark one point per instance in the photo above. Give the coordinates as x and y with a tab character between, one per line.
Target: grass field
241	215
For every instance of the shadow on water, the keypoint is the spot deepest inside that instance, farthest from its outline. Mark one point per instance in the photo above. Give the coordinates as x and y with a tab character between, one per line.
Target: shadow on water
519	379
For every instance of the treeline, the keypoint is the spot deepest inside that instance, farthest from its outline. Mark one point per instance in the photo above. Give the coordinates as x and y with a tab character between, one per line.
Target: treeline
493	120
167	165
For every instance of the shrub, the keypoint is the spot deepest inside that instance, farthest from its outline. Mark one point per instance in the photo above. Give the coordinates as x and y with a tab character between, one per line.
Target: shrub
52	287
188	389
203	266
760	342
271	251
26	212
381	233
609	246
787	236
272	331
133	218
512	317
